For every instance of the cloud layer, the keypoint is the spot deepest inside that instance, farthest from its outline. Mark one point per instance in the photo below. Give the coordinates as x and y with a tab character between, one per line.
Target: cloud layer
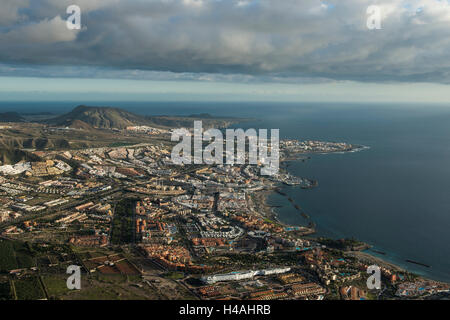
204	39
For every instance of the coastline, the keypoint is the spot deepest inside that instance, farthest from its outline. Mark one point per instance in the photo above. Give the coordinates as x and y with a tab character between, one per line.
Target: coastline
363	255
271	213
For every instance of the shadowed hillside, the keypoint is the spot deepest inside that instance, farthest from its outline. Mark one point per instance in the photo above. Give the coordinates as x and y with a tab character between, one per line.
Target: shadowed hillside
97	117
84	117
12	156
11	117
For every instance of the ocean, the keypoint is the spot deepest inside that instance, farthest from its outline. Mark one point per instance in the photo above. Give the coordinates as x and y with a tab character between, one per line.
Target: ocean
394	195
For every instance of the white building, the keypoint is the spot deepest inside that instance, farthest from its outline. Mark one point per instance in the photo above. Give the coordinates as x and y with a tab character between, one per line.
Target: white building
241	275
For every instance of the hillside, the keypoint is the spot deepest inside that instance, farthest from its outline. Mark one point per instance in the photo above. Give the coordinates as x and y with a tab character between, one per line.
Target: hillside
87	128
86	118
12	156
11	117
39	143
97	117
188	122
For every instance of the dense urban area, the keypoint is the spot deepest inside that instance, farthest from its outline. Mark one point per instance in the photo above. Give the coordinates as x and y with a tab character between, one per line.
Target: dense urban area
141	227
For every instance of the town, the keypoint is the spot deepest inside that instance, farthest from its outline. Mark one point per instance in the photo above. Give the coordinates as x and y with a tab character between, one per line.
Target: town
142	227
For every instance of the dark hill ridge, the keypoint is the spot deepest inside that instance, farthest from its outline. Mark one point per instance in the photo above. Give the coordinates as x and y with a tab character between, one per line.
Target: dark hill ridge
11	117
85	117
12	156
98	117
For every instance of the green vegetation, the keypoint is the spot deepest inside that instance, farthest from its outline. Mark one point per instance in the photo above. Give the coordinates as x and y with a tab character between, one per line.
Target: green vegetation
342	244
271	222
16	255
29	289
25	262
24	254
7	256
55	285
123	223
97	293
175	275
111	278
242	260
5	290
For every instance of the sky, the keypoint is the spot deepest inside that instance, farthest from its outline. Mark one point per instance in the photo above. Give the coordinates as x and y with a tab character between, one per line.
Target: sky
226	50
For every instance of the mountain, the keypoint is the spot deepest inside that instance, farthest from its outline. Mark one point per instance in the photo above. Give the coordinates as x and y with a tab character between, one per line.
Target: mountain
12	156
11	117
86	118
97	117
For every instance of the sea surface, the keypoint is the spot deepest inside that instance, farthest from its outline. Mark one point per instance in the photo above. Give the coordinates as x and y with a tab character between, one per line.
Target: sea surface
394	195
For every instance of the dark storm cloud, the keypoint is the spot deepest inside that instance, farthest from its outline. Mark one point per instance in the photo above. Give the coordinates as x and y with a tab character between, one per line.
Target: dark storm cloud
247	39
